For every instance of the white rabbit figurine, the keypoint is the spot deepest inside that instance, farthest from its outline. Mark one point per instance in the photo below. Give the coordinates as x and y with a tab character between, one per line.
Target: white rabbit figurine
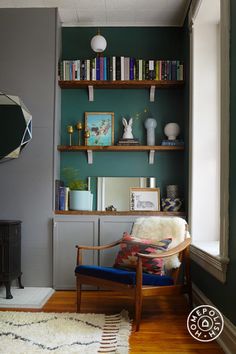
127	128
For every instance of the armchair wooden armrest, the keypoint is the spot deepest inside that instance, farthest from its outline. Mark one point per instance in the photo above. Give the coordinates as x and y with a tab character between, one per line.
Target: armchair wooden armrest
110	245
182	246
93	248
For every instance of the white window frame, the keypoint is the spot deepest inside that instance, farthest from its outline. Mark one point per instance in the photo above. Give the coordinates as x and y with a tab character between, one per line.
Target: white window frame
215	265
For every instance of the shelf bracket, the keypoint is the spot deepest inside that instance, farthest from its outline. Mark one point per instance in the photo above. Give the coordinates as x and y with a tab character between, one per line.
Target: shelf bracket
152	93
151	157
90	157
91	93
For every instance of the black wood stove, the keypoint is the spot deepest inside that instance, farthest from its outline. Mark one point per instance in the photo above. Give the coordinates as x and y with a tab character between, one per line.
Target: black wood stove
10	254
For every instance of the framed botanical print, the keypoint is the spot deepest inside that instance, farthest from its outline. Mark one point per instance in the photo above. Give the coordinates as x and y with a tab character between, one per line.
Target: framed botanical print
99	127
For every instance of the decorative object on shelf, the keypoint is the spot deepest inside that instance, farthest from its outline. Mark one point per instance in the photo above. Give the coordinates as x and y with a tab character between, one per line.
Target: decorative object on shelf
79	198
150	124
172	191
128	142
145	199
70	131
127	128
110	208
79	127
98	43
171	204
86	134
100	125
15	126
176	142
172	130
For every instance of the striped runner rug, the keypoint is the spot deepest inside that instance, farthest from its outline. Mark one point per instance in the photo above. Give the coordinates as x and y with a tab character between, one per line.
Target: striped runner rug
40	332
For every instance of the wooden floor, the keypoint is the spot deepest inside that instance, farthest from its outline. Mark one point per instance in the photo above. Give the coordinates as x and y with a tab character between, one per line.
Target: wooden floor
163	327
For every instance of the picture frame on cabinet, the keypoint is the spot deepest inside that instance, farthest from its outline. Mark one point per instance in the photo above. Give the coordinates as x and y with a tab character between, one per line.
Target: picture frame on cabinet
99	128
145	199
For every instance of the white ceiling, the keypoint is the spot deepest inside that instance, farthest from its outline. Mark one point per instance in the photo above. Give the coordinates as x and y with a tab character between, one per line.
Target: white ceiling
112	12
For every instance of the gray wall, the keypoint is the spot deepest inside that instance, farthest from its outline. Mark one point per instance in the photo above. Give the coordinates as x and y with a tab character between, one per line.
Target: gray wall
28	62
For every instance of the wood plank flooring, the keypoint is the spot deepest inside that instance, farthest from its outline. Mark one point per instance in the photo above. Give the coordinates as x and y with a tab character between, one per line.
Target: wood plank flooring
163	327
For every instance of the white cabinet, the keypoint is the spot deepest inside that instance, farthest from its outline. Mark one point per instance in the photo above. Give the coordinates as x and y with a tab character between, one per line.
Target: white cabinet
68	231
90	230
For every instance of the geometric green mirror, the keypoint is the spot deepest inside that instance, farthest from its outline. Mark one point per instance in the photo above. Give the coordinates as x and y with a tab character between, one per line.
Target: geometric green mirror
15	126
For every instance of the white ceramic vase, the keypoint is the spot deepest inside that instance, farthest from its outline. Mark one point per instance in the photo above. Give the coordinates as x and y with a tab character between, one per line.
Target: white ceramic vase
150	124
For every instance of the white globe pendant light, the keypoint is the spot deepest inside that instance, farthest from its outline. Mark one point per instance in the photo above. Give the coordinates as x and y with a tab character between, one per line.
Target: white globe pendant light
98	43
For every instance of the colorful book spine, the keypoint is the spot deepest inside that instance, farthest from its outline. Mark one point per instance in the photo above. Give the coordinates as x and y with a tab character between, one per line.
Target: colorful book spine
113	68
62	198
132	69
122	68
97	68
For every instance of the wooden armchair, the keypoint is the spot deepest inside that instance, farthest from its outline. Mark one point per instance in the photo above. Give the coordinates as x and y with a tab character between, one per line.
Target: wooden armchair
137	283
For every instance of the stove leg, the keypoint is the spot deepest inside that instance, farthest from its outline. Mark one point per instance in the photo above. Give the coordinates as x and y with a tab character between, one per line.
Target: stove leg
8	290
20	284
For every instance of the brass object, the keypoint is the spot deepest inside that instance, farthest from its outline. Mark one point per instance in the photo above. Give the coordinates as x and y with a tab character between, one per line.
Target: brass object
86	134
70	131
79	127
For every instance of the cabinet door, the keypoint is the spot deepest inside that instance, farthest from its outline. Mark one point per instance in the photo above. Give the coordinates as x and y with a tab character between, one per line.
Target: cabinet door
111	229
68	232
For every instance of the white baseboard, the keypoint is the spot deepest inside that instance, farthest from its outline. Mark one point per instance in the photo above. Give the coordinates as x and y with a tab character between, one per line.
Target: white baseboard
227	339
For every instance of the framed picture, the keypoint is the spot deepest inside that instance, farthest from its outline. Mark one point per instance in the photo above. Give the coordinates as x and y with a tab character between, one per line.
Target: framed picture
145	199
100	128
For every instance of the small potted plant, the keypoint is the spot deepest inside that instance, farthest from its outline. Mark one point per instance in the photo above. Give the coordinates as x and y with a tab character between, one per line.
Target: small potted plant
79	197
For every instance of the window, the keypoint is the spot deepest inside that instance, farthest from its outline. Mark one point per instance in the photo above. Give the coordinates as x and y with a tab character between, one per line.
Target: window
209	137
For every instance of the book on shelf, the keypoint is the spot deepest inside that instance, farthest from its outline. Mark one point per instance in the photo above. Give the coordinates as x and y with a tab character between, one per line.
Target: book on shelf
176	142
63	198
58	184
126	142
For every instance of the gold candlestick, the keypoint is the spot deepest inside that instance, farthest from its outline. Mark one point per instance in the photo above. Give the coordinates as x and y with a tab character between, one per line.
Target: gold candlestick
70	131
86	135
79	127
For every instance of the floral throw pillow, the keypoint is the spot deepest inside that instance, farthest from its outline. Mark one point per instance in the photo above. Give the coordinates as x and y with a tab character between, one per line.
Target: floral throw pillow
130	246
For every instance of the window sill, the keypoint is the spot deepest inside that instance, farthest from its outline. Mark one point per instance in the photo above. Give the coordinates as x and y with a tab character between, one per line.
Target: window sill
213	264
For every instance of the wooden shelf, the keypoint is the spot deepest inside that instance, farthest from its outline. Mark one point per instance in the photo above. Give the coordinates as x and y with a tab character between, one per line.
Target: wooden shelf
119	148
121	84
130	84
116	148
112	213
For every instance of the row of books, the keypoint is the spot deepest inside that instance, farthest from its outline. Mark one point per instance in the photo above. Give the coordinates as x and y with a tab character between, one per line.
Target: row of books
120	68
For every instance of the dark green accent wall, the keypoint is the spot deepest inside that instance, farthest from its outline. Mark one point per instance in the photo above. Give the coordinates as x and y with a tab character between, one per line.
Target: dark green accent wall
144	43
224	295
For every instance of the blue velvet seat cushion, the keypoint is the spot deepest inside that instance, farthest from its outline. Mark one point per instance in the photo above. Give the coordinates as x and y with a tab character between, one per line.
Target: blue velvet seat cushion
122	276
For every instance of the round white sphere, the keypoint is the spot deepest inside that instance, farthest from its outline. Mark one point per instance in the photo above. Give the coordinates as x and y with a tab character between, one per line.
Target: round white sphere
98	43
172	130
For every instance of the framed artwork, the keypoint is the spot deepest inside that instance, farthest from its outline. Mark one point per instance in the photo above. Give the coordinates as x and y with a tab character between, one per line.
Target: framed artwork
145	199
100	128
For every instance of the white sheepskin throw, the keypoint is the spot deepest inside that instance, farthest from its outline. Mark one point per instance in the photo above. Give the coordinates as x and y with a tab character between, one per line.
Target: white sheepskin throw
157	228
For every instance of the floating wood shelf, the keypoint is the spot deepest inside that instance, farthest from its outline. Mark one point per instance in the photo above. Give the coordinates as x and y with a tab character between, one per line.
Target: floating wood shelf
117	148
75	84
112	213
120	84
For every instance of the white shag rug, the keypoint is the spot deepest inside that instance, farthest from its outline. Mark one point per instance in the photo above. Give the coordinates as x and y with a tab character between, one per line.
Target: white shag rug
28	297
40	332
